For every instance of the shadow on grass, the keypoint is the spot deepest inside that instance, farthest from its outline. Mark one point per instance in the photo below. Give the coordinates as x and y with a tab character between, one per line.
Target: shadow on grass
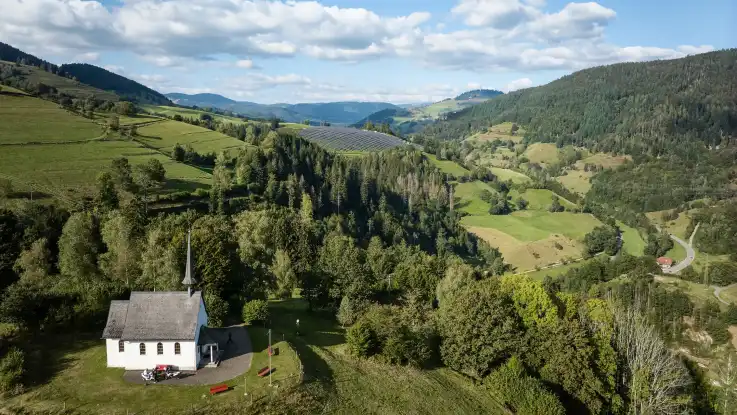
181	185
50	354
316	329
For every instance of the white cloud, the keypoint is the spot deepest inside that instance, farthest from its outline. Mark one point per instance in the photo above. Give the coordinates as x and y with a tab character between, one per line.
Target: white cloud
474	85
87	57
245	64
518	84
500	14
499	34
115	68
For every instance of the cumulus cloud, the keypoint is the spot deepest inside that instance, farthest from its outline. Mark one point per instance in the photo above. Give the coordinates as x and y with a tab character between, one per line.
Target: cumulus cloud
245	64
518	84
498	34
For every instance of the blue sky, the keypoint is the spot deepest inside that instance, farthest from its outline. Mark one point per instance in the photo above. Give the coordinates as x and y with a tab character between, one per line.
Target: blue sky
399	51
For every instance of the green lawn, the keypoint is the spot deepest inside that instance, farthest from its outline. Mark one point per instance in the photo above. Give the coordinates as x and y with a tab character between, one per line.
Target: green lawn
447	166
85	385
33	120
166	134
699	293
632	242
678	252
536	225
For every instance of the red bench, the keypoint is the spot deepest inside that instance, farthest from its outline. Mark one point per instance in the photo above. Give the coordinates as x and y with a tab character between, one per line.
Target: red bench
264	371
217	389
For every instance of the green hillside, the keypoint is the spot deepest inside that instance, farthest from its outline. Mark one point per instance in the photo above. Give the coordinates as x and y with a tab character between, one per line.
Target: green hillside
649	108
166	134
103	79
25	76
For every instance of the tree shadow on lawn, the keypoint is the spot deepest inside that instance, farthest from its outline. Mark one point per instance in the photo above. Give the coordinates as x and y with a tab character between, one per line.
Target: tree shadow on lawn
51	353
317	329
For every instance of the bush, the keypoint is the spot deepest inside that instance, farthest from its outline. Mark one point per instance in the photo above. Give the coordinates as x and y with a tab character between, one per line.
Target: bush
11	372
522	393
201	192
255	310
361	339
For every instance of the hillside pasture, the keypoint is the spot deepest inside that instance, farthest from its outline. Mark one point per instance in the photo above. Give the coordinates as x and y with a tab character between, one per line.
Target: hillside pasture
525	256
64	85
577	181
76	166
677	227
468	197
350	139
501	132
24	119
507	174
165	135
448	166
9	89
606	160
542	153
170	111
632	242
539	199
529	226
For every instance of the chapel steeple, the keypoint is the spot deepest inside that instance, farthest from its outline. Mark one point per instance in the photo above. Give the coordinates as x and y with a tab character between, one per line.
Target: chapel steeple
189	271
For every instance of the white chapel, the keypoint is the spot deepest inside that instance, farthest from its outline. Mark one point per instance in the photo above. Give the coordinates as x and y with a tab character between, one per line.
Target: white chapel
159	328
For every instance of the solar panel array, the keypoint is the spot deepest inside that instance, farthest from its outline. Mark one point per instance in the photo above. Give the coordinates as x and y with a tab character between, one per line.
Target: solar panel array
350	139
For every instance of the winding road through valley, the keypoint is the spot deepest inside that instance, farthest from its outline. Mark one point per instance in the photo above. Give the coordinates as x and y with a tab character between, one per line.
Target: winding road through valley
690	253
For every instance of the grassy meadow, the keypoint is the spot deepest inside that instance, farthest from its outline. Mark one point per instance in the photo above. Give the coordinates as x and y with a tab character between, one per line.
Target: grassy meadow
447	166
165	135
501	132
632	242
189	113
32	120
84	385
507	174
542	153
64	85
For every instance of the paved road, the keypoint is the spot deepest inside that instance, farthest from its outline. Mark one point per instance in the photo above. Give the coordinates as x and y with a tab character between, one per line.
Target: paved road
717	291
690	253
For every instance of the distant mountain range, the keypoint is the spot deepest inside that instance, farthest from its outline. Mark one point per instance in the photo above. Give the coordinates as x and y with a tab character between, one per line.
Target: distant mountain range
345	113
408	119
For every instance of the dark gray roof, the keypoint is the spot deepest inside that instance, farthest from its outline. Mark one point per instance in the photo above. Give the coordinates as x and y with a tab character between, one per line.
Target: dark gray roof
160	315
115	320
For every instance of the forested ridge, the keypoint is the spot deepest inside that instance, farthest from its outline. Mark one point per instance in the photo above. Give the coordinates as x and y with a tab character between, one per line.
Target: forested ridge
652	108
109	81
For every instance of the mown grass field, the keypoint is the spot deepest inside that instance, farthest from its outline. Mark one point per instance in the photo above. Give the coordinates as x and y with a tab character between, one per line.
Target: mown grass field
84	385
536	225
64	85
32	120
62	166
577	181
698	293
447	166
5	88
540	199
469	197
677	226
542	153
507	174
165	135
632	242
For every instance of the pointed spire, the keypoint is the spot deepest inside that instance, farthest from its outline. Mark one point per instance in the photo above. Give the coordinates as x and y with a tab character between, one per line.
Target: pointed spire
189	271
